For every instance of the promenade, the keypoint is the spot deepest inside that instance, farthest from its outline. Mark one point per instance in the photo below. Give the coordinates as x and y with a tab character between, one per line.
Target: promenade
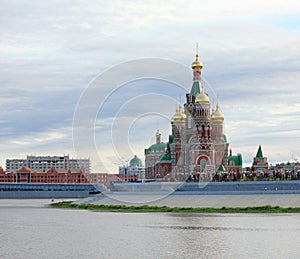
196	200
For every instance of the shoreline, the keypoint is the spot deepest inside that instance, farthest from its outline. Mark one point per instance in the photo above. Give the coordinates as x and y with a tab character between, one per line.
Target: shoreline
164	209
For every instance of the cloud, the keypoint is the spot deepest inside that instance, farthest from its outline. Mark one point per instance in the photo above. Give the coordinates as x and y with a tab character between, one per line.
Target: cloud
49	55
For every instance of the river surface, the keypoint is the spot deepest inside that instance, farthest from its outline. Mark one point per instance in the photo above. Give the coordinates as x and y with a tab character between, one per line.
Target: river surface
30	229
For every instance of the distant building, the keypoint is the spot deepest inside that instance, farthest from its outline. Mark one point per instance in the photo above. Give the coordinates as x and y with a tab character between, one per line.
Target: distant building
153	155
260	164
102	178
235	163
135	168
26	175
45	163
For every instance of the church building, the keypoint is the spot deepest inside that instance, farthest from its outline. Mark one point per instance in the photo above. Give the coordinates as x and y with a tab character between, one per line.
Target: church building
197	145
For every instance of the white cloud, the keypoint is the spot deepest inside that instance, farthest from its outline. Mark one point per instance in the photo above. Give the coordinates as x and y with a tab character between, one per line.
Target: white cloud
48	55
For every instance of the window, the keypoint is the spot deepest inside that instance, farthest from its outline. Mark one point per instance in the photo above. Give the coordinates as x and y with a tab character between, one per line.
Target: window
189	122
202	164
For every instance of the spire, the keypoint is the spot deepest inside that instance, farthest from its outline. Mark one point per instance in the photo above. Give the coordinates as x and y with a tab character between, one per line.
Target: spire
259	153
197	64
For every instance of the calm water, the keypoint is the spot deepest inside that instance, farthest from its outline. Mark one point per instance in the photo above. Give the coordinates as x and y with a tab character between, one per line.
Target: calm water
29	229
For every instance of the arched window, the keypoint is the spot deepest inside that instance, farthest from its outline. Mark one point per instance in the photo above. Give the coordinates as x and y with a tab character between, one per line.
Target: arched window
189	122
202	164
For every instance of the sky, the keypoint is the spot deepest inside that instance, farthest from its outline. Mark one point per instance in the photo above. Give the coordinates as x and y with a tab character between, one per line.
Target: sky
96	79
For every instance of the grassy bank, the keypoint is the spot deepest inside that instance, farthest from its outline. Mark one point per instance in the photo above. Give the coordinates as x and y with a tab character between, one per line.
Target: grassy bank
146	208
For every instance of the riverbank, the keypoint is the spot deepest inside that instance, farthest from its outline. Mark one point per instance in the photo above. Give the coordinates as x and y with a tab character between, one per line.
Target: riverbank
190	199
146	208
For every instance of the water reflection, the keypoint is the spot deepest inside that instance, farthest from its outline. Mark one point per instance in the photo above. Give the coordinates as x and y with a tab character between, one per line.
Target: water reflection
36	231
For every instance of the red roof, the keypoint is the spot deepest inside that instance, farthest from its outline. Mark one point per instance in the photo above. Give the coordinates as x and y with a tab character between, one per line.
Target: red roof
52	170
24	169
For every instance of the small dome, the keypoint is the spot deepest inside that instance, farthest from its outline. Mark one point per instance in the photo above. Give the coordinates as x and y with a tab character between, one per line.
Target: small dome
160	147
157	134
202	98
217	115
197	63
179	116
135	161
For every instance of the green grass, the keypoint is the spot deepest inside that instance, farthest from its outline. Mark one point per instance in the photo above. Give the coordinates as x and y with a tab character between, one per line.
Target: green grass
146	208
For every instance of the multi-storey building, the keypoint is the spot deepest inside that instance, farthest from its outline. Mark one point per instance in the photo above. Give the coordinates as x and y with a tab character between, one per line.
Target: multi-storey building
45	163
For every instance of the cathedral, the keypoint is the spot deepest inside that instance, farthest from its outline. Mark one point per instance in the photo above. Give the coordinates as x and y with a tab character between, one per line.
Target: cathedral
197	146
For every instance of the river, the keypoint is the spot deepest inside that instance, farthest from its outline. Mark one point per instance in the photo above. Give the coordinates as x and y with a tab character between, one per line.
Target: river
31	229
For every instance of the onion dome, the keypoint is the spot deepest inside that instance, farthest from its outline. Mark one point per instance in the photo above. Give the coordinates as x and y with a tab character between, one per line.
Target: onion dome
202	98
179	116
197	63
217	115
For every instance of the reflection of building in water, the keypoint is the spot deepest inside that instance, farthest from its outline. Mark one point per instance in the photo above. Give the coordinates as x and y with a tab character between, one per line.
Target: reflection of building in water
197	145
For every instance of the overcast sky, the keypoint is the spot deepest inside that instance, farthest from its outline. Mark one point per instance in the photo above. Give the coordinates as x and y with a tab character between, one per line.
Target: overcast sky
52	53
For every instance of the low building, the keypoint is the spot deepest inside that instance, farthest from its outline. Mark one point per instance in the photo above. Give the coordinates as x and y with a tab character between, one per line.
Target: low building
153	155
102	178
235	163
260	164
135	168
26	175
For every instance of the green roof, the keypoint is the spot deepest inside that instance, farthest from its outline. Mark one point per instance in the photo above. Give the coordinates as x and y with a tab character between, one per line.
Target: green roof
195	88
288	165
259	153
221	168
165	157
160	147
135	161
236	159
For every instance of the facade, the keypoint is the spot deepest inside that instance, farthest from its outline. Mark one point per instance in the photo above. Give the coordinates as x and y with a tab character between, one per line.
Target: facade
102	178
26	175
135	168
45	163
197	145
260	164
235	163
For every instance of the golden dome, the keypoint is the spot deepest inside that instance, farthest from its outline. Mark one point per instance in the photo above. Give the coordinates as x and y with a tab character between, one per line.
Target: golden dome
202	98
217	115
157	134
179	116
197	63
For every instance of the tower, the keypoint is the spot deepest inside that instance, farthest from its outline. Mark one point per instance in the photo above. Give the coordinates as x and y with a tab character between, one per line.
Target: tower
199	151
219	139
260	164
197	145
177	143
